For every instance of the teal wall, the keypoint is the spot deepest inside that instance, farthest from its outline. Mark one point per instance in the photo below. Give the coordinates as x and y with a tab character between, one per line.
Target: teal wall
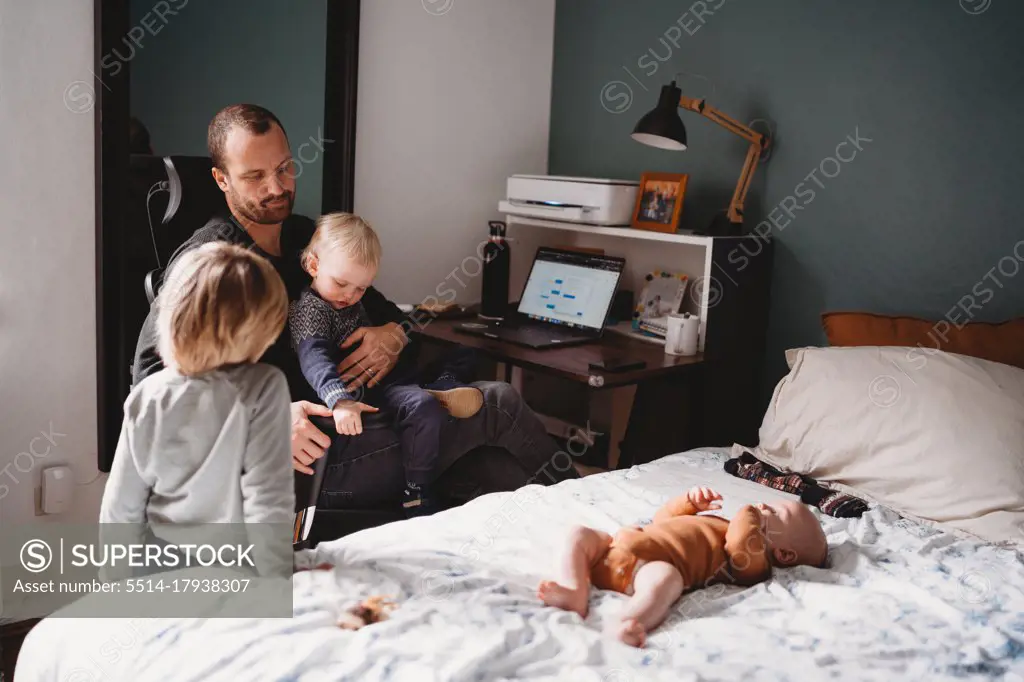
924	214
211	54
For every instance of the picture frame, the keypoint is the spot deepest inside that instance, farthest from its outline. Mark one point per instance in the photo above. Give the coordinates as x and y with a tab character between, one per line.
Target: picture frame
659	201
662	295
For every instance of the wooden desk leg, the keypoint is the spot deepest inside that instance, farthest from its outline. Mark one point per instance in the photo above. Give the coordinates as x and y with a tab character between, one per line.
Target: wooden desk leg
504	372
514	376
611	410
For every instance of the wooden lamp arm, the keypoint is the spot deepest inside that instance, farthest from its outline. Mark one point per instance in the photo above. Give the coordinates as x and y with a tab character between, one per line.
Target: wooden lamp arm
739	196
724	120
758	143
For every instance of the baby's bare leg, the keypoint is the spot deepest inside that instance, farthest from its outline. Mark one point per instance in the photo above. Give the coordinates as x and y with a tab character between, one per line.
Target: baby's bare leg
656	587
572	591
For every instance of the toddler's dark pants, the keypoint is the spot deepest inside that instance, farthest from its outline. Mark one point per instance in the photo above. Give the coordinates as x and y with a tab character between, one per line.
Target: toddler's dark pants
418	420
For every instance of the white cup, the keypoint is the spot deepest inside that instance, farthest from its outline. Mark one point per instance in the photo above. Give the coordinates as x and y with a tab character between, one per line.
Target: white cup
681	337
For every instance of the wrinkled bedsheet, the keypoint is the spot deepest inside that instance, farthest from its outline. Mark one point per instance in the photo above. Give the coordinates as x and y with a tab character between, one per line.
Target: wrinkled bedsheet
899	600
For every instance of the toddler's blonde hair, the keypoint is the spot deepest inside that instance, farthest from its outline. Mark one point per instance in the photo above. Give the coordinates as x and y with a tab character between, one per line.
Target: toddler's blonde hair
219	305
348	232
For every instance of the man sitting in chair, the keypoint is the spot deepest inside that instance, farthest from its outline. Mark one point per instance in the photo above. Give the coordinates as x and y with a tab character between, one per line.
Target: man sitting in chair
503	446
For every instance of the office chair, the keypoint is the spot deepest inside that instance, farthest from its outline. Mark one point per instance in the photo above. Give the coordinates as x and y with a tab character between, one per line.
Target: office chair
180	200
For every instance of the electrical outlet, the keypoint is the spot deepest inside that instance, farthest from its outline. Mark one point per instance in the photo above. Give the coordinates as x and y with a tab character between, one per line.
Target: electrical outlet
53	495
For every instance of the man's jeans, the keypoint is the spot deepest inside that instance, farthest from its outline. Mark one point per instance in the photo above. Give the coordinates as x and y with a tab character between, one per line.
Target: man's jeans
503	447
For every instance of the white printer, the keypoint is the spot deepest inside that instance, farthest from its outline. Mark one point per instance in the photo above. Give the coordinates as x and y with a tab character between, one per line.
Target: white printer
594	201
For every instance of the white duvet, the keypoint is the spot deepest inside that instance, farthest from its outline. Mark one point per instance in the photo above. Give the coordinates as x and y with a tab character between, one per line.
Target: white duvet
900	601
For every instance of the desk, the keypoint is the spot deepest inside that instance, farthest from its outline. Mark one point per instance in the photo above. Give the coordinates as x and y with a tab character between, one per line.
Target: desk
659	418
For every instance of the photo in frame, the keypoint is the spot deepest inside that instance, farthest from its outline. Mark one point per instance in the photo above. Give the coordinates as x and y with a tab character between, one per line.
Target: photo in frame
659	201
662	295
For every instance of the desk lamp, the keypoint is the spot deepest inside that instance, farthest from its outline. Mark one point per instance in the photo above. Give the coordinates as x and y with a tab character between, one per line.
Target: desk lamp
662	128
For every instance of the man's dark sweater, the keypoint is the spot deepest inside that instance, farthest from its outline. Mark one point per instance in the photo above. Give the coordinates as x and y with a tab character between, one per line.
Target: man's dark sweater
296	232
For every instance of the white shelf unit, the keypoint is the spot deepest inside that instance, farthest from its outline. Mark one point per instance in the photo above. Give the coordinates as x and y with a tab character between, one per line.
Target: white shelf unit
624	232
649	251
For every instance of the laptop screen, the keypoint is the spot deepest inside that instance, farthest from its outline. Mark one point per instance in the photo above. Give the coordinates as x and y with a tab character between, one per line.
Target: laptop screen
570	288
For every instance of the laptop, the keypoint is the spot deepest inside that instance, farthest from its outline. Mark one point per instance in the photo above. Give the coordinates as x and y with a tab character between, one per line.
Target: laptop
565	301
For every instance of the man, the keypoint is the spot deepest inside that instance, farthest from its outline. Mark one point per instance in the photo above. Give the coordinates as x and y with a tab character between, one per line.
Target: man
253	166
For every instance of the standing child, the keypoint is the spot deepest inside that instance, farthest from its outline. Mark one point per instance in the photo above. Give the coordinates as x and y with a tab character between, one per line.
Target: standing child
342	258
207	439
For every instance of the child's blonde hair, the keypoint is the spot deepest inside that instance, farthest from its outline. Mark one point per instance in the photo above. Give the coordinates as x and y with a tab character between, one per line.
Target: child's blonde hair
219	305
348	232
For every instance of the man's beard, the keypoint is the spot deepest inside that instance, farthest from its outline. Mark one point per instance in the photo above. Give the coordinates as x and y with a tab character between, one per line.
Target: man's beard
260	212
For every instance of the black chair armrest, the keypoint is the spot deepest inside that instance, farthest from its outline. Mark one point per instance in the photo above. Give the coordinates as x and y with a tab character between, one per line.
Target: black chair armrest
308	487
307	492
154	278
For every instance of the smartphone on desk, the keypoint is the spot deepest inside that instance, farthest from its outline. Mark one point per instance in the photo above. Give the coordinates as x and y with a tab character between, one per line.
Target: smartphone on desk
616	364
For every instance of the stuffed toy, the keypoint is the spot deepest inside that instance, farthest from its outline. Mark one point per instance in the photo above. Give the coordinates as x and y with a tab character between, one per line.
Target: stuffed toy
367	612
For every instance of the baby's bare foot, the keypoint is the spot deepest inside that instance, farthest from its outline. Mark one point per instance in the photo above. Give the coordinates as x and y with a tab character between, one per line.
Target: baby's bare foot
631	632
553	594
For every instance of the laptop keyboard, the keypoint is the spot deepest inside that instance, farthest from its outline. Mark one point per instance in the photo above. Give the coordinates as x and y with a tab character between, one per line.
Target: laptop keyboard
542	333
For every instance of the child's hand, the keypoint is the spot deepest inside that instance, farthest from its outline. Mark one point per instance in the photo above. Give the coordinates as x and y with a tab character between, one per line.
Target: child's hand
704	498
348	417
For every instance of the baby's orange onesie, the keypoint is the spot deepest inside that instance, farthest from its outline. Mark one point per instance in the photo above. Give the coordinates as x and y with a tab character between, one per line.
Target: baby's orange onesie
704	549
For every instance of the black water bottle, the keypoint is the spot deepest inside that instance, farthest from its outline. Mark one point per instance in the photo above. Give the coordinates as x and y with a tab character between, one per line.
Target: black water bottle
497	260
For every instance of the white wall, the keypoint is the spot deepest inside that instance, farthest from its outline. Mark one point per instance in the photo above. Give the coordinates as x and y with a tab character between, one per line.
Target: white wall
47	255
454	96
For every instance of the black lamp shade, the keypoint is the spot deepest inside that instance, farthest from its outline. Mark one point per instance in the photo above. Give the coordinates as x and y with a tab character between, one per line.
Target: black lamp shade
661	127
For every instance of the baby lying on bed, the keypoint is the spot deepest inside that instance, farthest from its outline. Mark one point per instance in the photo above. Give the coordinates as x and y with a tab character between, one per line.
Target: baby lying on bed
681	551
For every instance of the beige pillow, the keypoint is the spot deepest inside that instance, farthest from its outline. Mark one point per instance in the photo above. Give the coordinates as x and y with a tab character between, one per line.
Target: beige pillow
938	437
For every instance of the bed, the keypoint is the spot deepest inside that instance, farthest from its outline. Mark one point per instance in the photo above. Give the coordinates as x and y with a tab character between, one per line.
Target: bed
900	600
